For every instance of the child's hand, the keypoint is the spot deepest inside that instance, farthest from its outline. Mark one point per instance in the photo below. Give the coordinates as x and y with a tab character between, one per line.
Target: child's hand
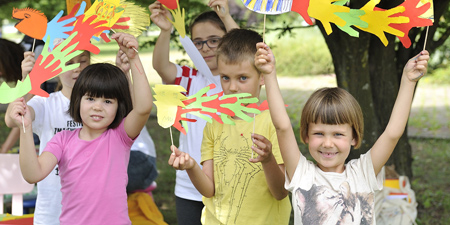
264	60
122	62
27	63
19	108
220	6
416	67
127	43
263	147
160	16
180	160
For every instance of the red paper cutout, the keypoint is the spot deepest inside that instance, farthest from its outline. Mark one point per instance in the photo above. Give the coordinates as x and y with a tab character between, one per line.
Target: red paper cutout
32	22
171	4
413	14
85	32
301	7
40	74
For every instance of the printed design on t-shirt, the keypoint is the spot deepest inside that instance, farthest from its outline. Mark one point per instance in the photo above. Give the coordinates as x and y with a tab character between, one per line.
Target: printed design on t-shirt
236	173
70	125
322	205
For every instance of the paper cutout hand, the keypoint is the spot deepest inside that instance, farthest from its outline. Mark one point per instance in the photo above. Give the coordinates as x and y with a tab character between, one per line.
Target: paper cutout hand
49	65
379	20
238	107
352	18
324	11
57	29
8	95
415	20
86	30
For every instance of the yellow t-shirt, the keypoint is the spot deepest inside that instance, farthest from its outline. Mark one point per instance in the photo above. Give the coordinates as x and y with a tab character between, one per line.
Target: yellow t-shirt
241	192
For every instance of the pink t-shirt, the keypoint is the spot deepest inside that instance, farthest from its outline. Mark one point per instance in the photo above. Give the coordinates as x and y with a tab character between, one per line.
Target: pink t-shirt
93	176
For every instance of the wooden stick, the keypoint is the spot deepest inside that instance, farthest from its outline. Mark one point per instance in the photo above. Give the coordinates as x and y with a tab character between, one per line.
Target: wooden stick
23	123
171	138
34	42
254	119
426	37
132	47
264	28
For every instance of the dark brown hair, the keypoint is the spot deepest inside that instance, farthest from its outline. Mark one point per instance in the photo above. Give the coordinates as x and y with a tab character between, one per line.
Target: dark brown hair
238	45
11	60
102	80
332	106
208	16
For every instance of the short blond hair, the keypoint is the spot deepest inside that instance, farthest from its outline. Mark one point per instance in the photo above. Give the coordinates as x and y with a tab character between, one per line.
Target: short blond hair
332	106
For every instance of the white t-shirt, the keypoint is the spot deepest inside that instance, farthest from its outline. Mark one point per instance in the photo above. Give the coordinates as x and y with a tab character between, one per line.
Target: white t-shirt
144	143
191	143
51	117
325	198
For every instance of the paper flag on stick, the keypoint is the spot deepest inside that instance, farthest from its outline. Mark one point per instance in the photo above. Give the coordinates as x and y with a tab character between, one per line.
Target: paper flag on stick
429	14
8	95
172	106
32	22
414	10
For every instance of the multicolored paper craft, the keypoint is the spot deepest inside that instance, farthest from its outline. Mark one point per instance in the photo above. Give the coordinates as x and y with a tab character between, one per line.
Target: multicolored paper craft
73	4
172	106
51	64
8	94
171	4
368	18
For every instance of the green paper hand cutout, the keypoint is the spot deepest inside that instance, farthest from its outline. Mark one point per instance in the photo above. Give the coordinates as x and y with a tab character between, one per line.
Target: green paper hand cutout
8	95
352	18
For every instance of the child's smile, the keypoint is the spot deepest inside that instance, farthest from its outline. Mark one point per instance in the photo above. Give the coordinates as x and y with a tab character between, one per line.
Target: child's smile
330	145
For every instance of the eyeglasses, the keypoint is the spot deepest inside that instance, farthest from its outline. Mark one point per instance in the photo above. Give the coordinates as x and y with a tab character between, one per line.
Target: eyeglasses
212	43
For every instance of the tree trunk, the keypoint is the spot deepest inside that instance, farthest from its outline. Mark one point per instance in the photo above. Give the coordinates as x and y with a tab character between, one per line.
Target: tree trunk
369	71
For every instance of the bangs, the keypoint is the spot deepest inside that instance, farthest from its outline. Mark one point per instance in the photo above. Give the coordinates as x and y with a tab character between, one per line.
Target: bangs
102	82
329	111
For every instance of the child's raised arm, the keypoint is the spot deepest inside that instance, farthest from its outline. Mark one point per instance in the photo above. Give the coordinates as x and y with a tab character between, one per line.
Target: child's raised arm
161	61
143	100
414	69
265	62
203	179
223	11
33	168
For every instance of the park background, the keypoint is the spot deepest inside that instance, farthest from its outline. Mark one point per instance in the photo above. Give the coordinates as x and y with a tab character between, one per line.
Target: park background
305	63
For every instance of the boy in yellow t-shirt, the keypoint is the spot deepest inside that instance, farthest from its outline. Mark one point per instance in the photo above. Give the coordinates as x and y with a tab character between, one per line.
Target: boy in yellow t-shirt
237	188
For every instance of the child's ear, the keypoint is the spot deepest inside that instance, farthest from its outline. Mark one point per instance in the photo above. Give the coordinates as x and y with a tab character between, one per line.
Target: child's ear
306	140
353	142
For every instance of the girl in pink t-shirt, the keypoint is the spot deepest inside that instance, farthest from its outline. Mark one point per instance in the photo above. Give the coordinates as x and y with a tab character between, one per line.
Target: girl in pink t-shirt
93	160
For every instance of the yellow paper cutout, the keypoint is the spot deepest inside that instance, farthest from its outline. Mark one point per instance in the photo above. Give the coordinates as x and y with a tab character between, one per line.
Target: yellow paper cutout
379	20
178	20
429	14
168	98
324	11
109	10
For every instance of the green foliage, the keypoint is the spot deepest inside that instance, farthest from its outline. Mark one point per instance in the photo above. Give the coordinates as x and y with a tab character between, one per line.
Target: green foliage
440	75
430	181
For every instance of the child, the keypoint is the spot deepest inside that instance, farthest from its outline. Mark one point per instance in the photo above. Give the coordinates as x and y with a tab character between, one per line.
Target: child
206	31
239	189
331	192
12	55
93	160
